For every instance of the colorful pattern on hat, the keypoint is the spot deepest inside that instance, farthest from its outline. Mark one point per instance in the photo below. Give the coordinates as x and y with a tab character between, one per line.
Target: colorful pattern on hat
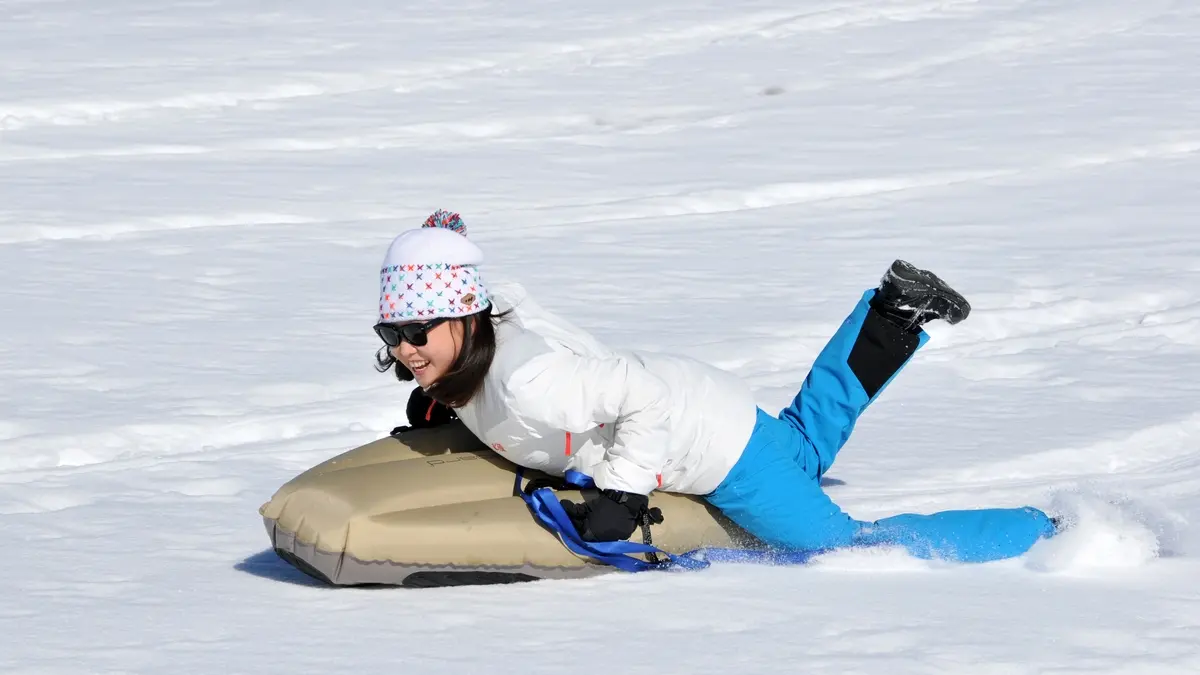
420	291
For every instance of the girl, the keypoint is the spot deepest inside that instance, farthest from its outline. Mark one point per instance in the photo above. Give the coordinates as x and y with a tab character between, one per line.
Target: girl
547	395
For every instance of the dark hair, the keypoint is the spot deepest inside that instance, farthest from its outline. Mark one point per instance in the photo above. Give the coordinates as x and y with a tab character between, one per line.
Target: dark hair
464	379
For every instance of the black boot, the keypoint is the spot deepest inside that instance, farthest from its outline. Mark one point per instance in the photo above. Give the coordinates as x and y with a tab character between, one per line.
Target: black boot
910	297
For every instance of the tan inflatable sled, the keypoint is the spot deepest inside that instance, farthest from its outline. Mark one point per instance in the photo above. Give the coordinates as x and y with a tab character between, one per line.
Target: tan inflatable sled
435	507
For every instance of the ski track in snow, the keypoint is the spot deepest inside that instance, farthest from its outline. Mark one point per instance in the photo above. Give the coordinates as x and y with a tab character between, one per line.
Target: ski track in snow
706	202
195	196
642	46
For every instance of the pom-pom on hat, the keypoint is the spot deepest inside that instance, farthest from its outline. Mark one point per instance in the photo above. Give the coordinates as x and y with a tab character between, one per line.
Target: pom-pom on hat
432	271
450	221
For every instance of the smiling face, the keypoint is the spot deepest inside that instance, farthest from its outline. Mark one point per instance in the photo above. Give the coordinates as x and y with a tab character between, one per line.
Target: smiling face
433	359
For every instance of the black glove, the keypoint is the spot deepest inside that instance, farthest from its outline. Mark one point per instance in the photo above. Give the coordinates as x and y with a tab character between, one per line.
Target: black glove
424	412
609	515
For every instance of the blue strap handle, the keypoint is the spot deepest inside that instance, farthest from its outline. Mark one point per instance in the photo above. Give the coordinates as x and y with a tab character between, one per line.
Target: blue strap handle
582	480
544	505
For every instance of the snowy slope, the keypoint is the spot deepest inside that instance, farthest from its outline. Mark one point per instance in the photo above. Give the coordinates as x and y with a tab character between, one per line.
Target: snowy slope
195	196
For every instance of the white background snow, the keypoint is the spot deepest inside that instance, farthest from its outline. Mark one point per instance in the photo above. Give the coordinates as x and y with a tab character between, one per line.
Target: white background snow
195	198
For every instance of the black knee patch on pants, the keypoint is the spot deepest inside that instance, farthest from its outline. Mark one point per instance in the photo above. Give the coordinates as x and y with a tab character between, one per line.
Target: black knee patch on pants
880	350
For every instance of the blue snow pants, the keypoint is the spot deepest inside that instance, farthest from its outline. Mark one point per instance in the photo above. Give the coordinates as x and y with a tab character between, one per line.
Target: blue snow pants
774	490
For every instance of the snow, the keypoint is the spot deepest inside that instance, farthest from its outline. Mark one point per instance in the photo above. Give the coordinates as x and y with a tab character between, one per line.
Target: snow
195	196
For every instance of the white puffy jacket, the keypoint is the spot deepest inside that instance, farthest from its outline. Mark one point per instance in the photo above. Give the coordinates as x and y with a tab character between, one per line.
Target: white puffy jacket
555	398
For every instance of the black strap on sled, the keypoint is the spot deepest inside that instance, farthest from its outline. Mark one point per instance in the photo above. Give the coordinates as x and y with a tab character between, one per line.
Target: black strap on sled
552	482
648	540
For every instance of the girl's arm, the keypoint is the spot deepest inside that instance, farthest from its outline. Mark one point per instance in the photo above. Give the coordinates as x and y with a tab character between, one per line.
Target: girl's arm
577	394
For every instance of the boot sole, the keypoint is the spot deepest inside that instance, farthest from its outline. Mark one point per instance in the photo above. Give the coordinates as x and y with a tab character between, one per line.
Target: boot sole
924	283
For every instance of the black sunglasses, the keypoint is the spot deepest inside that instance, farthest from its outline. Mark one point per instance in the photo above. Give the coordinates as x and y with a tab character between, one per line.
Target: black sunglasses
415	334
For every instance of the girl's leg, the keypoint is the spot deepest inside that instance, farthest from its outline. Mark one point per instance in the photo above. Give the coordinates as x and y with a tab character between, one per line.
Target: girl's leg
772	496
976	535
769	495
856	365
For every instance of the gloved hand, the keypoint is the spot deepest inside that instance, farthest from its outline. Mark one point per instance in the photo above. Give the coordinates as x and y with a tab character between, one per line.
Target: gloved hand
609	515
424	412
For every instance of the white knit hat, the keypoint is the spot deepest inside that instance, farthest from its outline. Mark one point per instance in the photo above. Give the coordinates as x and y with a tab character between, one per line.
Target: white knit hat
431	272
